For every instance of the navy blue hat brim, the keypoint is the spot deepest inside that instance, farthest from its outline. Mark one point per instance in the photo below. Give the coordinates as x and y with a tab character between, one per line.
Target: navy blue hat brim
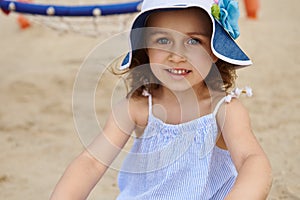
225	48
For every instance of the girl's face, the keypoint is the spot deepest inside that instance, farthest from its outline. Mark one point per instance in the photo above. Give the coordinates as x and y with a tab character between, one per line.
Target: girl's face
178	46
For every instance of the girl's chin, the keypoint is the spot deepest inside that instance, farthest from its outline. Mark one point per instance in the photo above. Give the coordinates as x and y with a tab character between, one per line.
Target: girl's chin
178	87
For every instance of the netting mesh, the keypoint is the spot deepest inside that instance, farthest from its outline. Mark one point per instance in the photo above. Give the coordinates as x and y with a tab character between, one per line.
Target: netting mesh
89	26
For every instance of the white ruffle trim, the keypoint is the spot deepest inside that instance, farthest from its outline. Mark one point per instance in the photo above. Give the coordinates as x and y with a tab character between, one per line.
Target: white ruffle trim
237	92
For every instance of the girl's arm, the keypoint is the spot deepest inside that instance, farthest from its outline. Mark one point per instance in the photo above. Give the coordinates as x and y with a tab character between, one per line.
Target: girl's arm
87	169
254	171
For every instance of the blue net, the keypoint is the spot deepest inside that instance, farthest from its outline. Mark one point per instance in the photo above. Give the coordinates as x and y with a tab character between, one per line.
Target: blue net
69	11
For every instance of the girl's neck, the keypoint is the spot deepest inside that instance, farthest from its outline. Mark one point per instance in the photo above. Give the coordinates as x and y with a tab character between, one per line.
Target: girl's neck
181	106
198	93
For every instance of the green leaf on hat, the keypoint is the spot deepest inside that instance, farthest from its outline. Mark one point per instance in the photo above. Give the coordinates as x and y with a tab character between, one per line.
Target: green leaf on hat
215	11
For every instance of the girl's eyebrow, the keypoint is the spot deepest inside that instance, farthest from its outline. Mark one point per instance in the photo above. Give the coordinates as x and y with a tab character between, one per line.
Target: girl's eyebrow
161	32
158	32
198	33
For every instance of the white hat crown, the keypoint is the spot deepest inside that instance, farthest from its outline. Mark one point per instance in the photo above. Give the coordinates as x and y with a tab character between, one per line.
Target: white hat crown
156	4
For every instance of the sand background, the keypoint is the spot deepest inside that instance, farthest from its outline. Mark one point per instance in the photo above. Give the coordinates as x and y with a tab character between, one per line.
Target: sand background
38	69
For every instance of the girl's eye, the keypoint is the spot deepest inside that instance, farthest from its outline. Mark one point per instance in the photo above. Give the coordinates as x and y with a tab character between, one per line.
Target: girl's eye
163	41
193	41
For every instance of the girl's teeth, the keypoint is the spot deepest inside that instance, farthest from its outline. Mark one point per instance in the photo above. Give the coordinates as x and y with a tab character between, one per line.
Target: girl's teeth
178	71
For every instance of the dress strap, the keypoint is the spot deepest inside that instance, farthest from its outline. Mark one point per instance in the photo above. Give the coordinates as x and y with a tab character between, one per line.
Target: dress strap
218	105
150	103
147	94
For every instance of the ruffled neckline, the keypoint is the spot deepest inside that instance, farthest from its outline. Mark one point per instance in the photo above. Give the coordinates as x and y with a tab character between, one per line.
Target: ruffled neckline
193	121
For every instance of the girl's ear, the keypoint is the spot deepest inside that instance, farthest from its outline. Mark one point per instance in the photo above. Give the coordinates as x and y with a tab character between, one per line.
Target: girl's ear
214	58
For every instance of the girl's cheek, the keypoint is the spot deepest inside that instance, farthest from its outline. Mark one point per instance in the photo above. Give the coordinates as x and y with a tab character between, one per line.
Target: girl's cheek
156	54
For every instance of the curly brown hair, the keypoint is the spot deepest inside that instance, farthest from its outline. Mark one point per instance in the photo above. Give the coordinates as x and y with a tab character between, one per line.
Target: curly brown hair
140	77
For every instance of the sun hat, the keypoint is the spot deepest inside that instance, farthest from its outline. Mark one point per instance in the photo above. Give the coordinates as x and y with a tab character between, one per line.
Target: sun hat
224	15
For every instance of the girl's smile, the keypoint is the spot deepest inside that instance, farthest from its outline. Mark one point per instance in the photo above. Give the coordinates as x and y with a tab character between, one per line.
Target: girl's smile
178	73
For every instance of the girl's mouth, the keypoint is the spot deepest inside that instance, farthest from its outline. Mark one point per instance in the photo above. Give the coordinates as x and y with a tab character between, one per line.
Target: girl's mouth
179	72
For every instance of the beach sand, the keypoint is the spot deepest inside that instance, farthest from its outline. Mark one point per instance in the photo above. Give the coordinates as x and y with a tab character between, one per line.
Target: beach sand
38	136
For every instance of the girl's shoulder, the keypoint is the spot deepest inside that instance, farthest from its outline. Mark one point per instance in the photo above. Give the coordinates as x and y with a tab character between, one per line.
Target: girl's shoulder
233	114
130	113
139	110
235	106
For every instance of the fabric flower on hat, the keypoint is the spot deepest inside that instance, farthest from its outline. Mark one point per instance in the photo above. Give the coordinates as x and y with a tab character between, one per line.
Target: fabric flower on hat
227	13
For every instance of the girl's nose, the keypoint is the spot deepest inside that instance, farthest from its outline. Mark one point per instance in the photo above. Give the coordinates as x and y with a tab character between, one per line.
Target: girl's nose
174	57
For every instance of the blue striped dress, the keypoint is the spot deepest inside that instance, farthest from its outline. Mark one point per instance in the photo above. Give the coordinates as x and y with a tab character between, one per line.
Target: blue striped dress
177	162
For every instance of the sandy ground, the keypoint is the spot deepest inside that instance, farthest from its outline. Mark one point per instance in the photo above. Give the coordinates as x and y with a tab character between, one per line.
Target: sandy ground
38	137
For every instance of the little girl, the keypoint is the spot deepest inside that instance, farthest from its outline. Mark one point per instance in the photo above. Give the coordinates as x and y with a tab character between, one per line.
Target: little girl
189	144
